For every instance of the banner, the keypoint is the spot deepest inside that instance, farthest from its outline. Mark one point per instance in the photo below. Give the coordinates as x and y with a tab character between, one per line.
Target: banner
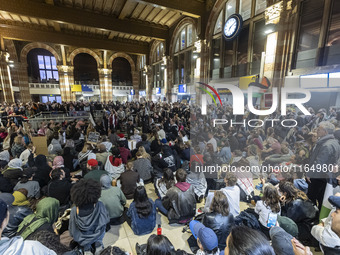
76	88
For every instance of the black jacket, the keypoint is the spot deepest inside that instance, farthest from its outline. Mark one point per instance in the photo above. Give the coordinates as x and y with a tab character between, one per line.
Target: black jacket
305	214
180	202
221	225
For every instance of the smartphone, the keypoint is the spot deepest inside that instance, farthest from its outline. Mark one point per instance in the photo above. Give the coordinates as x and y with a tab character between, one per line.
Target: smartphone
272	219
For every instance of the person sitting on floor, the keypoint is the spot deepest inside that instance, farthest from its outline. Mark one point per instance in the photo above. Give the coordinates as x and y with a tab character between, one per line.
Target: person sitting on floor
179	203
114	200
206	239
142	213
89	216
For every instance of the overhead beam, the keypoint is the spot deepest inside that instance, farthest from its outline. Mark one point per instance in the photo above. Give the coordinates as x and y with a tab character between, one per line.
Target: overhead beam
23	33
191	8
83	18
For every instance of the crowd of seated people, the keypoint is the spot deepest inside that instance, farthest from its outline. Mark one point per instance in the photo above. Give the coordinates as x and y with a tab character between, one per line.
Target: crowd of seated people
80	188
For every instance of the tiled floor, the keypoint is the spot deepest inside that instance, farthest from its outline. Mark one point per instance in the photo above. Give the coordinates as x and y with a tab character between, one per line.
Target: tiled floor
123	236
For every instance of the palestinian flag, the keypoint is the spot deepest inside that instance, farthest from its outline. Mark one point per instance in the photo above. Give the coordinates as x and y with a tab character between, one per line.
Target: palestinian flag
326	205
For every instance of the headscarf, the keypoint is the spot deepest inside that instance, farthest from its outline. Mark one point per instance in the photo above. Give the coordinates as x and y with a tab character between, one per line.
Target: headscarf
20	199
58	162
4	155
15	163
105	181
47	212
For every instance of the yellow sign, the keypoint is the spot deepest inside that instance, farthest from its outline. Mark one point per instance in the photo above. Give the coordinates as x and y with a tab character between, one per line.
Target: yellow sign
246	80
76	88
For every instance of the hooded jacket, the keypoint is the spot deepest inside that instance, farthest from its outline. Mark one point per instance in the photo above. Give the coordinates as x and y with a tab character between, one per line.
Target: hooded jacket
86	230
17	212
180	202
326	236
17	246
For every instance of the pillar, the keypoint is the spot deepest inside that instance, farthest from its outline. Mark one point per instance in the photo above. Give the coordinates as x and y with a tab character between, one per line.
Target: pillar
5	78
22	77
168	77
279	43
105	81
135	83
66	79
149	82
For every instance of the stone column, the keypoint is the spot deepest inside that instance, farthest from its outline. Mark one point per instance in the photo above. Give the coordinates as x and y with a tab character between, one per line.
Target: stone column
66	79
135	83
5	78
22	77
169	78
149	84
283	15
105	81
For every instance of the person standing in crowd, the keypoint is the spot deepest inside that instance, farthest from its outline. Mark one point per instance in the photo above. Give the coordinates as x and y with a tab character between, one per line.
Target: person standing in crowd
325	152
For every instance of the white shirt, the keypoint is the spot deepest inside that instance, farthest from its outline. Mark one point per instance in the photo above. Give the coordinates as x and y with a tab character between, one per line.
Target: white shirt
161	134
263	211
233	195
214	143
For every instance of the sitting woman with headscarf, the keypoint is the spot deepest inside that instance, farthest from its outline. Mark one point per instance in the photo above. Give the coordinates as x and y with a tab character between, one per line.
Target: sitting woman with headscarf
13	171
58	162
45	215
4	158
42	175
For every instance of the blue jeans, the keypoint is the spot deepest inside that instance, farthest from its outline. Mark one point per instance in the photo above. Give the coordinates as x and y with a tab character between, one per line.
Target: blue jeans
98	243
161	208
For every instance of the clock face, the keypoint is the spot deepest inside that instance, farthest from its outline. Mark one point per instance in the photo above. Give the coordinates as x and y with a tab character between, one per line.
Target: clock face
232	27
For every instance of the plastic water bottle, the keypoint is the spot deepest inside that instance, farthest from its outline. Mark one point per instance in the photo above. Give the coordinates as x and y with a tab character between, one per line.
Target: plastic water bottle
159	230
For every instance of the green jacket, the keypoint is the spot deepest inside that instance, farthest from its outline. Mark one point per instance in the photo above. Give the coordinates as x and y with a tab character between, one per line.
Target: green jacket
114	201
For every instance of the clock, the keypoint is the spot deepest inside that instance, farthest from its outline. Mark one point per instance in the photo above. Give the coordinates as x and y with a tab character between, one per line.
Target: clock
232	27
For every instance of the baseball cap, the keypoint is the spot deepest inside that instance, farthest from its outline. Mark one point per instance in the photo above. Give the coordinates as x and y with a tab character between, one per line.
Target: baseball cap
281	241
335	201
206	235
92	162
164	141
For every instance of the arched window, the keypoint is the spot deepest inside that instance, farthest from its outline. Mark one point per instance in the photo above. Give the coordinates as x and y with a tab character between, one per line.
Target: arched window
185	39
183	62
230	58
157	66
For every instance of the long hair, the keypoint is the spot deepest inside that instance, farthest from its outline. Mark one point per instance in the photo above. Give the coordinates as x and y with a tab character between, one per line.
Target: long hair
143	205
168	178
271	198
220	204
158	245
244	240
291	192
